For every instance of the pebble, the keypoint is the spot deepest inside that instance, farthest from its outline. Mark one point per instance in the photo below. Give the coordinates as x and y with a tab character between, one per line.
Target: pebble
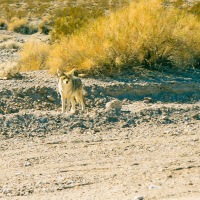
154	187
147	100
6	190
27	164
50	98
138	198
82	75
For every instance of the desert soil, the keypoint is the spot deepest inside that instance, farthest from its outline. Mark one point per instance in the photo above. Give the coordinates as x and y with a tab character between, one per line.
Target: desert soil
145	150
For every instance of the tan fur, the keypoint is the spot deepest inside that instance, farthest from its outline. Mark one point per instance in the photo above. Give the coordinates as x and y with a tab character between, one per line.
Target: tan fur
70	88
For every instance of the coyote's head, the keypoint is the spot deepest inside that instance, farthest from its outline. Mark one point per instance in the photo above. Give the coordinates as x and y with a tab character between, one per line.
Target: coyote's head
65	77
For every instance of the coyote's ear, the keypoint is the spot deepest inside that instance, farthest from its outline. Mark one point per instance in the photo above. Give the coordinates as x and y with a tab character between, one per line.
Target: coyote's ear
72	72
59	73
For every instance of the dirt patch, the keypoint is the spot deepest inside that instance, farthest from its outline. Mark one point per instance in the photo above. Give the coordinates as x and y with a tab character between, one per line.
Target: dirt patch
145	149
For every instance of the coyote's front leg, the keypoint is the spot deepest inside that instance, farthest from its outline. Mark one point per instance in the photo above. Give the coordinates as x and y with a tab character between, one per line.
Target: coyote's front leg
63	103
68	104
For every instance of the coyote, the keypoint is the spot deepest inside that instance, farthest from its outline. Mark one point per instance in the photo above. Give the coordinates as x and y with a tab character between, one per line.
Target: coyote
70	88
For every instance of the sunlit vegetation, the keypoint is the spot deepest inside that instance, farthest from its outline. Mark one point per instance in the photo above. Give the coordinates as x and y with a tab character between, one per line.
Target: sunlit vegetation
141	34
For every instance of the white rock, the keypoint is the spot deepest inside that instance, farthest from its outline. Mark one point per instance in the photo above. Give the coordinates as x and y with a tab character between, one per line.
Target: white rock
154	187
50	98
82	75
114	104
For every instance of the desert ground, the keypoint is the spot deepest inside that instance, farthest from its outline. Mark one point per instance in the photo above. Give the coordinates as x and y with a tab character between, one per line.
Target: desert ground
147	149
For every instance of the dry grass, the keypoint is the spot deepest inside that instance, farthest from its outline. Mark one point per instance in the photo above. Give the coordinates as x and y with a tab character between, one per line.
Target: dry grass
16	23
195	9
22	26
45	25
37	9
9	70
33	56
3	24
10	44
141	34
4	38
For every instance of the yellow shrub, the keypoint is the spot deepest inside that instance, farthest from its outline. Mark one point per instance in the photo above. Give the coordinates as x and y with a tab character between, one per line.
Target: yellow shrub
16	23
33	56
3	24
141	34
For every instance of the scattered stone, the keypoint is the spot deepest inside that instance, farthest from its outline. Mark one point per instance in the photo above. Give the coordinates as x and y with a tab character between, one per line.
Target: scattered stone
125	125
138	198
82	75
114	104
4	78
154	187
147	100
18	173
42	90
136	164
164	117
6	190
50	98
178	168
45	119
27	164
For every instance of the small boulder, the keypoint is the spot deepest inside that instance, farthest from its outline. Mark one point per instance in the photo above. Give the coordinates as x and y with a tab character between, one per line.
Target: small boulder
114	104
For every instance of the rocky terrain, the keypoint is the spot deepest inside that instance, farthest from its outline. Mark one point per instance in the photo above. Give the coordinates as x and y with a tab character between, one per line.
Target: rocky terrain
146	148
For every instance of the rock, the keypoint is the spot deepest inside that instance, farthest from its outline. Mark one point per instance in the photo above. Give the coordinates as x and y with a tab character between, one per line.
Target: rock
154	187
147	100
114	104
42	90
43	120
138	198
125	125
164	117
27	164
6	190
82	75
4	78
50	98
